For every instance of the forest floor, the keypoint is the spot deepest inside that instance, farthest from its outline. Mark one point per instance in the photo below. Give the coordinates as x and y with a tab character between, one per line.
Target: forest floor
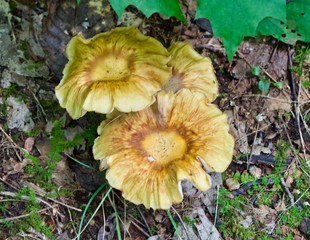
48	176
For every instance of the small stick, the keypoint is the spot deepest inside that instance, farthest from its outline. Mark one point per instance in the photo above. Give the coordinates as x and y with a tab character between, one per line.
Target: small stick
40	235
253	145
140	229
261	159
22	216
39	200
290	195
65	205
181	220
40	106
246	186
291	75
14	144
10	185
51	199
144	221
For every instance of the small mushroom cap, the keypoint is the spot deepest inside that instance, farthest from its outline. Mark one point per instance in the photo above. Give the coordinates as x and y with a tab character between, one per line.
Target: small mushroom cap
148	153
120	69
191	70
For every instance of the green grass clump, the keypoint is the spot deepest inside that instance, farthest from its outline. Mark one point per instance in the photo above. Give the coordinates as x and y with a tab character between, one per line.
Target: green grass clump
31	207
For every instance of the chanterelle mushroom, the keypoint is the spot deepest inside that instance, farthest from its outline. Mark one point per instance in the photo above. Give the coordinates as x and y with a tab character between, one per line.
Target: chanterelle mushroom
191	70
149	152
120	69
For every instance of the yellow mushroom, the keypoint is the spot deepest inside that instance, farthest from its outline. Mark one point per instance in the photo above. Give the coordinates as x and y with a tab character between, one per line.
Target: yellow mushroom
121	69
148	153
191	70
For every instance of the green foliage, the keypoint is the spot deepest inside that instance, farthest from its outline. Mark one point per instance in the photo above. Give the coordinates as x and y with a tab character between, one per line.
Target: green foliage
189	221
263	85
88	205
278	85
300	56
59	143
148	7
174	224
295	27
256	71
305	83
34	220
40	173
237	19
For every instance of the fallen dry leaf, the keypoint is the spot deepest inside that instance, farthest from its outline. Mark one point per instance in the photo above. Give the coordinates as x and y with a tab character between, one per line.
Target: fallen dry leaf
265	215
232	184
29	143
255	171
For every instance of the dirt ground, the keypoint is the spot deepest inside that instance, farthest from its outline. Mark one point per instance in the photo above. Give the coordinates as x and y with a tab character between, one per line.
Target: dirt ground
264	194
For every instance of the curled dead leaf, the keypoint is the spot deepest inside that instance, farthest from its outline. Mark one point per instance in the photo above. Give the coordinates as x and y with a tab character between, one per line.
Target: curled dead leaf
29	143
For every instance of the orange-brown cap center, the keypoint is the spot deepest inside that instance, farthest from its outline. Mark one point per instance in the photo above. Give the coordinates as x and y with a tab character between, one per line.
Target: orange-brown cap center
164	146
110	68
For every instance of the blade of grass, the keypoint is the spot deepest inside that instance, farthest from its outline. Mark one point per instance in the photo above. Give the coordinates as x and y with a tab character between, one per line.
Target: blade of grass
181	220
79	162
118	229
87	206
174	224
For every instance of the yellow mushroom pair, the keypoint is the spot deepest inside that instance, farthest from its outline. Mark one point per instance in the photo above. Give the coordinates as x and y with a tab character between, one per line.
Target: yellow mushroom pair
151	147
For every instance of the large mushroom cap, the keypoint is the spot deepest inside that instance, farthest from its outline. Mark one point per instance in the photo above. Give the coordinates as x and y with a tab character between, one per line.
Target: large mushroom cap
191	70
148	153
120	69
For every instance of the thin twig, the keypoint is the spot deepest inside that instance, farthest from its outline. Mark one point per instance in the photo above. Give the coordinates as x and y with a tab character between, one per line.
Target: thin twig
290	195
144	221
291	143
12	142
40	106
40	235
253	145
38	200
64	204
140	229
298	116
217	205
3	220
10	185
291	75
51	199
181	220
250	65
71	221
288	208
249	134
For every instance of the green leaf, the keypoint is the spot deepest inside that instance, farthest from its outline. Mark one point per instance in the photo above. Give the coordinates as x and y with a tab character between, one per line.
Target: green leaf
169	8
305	83
278	85
296	26
263	85
256	71
279	30
298	17
233	20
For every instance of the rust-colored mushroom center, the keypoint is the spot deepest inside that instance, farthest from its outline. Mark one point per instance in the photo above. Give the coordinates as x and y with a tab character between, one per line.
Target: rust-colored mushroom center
164	146
110	68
